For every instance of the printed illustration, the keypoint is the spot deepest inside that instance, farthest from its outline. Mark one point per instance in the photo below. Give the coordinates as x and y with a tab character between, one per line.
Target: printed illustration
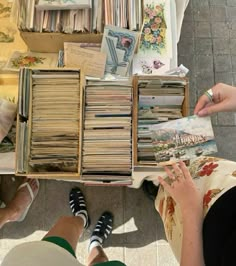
153	36
150	65
27	61
32	60
5	10
183	139
119	45
69	4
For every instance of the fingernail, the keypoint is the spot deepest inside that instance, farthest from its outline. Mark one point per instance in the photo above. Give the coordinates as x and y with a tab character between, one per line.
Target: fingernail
202	112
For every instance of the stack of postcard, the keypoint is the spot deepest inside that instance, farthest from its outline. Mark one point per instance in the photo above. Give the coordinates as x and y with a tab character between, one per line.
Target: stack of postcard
107	130
183	139
77	15
49	121
159	101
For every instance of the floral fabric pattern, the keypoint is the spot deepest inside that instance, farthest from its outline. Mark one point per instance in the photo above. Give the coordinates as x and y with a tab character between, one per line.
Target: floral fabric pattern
213	177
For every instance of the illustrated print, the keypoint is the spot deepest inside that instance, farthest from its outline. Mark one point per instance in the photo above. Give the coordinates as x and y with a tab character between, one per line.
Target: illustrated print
153	36
27	61
5	11
125	42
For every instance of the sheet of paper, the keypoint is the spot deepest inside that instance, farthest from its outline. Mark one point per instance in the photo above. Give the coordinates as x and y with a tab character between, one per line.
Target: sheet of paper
92	62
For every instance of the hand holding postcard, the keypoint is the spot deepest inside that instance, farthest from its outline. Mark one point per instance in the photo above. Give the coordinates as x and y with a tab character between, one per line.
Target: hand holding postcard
182	139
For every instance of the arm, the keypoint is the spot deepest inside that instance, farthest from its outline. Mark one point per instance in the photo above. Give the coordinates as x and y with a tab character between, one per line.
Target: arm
185	193
224	100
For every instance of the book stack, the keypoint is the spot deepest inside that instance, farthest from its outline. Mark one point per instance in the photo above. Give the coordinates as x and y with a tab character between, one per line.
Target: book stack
49	121
159	101
107	130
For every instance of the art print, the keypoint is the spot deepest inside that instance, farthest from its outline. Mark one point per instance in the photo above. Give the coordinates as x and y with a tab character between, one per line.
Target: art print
150	65
156	31
119	44
32	60
183	139
63	4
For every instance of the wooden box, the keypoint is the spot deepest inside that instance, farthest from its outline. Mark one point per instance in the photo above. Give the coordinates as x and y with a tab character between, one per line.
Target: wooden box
40	132
184	110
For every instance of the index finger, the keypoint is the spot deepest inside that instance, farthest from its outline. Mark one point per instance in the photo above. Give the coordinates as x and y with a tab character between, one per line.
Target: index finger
202	102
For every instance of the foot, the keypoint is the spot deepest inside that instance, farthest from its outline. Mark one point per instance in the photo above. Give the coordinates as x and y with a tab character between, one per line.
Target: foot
102	230
78	205
22	200
150	189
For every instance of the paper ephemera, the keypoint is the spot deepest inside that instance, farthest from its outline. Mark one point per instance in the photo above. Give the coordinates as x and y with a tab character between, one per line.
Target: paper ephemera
8	113
119	44
32	60
183	139
92	62
107	130
48	139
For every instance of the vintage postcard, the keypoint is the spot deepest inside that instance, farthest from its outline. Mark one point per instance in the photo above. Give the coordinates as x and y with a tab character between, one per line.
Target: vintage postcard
92	62
156	37
63	4
150	65
10	39
32	60
119	44
183	139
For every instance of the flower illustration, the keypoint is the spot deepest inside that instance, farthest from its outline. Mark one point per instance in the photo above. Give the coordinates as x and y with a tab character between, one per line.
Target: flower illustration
153	36
27	61
208	169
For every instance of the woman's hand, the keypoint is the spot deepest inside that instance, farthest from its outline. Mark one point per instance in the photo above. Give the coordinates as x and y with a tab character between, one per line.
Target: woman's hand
223	100
183	189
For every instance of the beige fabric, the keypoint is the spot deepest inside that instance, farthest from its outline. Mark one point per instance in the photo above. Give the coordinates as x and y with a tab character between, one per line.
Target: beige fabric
39	253
213	177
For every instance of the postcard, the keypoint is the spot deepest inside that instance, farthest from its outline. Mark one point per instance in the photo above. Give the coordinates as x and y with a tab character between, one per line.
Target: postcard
63	4
156	37
154	65
92	62
119	44
8	113
182	139
32	60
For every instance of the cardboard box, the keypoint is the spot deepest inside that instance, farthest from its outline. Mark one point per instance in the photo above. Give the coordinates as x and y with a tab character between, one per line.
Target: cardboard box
184	108
53	42
23	141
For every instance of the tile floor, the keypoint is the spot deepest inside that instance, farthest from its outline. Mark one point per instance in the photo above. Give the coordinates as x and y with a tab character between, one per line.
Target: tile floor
208	48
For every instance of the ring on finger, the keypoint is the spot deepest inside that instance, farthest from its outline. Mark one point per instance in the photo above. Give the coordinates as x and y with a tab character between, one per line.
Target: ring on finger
209	94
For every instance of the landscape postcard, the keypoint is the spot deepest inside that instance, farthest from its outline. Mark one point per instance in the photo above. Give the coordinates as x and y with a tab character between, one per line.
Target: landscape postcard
182	139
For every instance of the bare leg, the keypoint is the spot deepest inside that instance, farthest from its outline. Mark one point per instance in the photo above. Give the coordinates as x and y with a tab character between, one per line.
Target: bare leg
68	227
97	255
13	211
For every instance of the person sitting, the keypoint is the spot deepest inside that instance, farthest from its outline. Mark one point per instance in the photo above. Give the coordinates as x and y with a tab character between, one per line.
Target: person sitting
17	209
196	203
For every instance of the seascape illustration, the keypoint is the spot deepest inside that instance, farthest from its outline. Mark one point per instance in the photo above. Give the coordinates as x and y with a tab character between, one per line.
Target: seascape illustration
183	139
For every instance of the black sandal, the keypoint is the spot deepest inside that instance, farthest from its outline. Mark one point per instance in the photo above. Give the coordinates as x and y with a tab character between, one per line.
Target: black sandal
78	205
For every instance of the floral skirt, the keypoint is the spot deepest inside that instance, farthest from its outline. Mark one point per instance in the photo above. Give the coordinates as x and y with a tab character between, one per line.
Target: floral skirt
213	177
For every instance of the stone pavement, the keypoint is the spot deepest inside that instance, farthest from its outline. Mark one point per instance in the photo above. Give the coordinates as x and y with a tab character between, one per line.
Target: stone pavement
208	48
